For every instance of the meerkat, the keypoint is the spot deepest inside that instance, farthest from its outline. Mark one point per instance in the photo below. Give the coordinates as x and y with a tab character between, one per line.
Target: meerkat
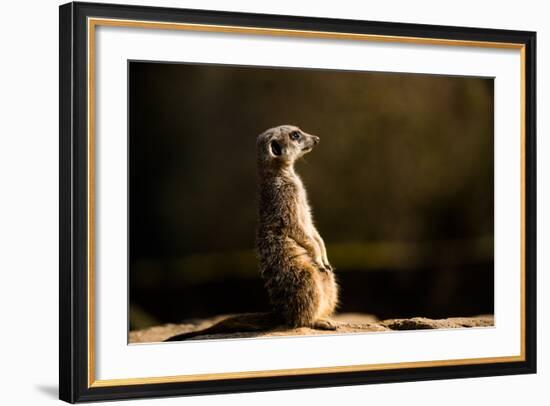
292	255
293	261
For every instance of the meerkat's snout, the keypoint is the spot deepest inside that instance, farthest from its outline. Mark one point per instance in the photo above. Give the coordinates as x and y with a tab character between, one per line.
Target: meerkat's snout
309	142
315	139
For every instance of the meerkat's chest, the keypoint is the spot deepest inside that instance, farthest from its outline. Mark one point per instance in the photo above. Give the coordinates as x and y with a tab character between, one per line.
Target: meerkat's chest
302	205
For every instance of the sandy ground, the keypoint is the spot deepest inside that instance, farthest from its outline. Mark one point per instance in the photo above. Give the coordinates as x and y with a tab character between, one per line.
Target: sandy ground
347	323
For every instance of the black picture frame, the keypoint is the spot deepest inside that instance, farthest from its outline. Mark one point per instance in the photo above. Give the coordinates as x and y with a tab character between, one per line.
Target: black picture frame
74	385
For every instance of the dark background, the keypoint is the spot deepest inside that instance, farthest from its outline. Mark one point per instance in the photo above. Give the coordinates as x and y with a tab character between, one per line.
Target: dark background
401	187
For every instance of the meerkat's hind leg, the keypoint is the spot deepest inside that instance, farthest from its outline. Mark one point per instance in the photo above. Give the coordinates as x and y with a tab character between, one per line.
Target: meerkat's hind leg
325	324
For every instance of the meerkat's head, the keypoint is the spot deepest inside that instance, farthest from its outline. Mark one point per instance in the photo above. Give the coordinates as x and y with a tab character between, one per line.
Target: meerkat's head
285	144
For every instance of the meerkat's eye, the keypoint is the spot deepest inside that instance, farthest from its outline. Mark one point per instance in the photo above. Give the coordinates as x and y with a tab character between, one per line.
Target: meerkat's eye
295	135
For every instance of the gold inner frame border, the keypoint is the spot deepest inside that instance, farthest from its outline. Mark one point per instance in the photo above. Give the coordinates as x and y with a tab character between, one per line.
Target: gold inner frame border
92	23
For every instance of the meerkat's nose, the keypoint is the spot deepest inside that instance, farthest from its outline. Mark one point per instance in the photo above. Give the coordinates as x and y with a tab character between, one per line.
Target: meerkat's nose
316	139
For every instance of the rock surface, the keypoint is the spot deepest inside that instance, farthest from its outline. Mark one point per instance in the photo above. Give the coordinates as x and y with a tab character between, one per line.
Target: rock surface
347	323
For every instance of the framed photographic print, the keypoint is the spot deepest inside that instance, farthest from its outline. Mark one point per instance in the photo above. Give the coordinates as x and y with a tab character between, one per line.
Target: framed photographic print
257	202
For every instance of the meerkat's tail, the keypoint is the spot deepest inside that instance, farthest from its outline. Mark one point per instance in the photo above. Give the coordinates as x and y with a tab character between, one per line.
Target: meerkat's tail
246	322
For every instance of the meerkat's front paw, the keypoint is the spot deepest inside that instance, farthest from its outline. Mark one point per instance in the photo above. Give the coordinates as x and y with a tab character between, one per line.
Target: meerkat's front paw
319	265
323	268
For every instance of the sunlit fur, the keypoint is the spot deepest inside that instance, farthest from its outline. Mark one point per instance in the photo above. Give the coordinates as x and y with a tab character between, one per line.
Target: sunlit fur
292	255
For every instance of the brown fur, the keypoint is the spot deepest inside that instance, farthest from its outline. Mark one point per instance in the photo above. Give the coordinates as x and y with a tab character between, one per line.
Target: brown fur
293	259
292	255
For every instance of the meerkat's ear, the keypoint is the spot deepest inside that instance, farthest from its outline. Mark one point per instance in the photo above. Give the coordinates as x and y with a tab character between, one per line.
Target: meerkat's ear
276	149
